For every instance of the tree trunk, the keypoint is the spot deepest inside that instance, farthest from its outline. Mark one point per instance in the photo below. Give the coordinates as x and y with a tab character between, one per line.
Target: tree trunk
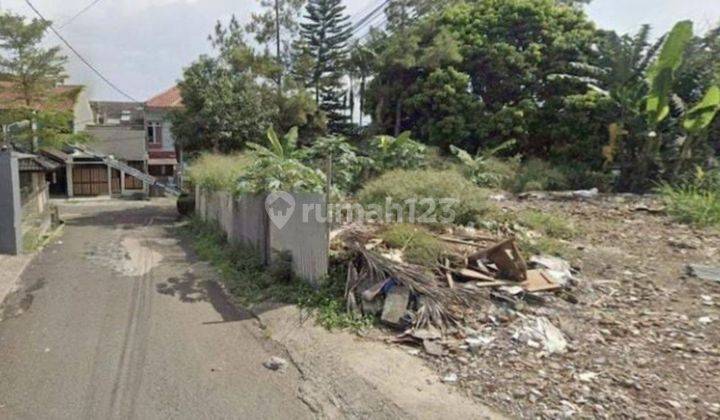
362	98
398	117
278	45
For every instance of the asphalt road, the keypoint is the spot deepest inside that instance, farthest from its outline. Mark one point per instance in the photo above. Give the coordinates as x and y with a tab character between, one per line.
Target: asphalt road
116	321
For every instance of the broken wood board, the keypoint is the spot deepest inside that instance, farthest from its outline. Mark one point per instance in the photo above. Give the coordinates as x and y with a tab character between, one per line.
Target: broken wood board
506	257
539	281
473	275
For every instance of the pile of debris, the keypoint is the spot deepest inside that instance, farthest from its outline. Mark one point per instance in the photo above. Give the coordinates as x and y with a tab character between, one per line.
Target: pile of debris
428	303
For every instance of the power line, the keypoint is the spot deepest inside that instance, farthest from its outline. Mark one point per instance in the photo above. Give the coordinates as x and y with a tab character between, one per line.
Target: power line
79	56
370	23
85	9
370	15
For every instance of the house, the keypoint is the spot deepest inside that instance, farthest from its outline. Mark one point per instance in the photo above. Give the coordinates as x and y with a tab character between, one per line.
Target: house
72	99
163	157
108	113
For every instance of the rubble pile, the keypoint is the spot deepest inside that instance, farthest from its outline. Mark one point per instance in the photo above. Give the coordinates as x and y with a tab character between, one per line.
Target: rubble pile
636	336
429	305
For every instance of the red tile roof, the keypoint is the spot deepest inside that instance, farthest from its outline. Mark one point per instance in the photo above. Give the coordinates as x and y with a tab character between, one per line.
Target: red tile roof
171	98
60	98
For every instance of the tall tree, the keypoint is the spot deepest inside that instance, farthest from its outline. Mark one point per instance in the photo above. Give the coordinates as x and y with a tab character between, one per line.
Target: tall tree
278	25
325	33
34	69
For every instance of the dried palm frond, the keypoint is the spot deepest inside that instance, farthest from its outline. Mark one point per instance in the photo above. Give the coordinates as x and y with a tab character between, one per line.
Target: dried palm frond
439	305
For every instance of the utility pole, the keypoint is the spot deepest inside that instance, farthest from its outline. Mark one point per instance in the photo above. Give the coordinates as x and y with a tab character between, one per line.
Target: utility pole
33	128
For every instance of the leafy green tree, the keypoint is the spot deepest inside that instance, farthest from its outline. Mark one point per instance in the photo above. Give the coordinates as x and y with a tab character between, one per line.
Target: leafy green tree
325	33
33	72
225	102
28	64
506	50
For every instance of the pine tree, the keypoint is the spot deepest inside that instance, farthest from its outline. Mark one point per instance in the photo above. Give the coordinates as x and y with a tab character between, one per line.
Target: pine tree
325	33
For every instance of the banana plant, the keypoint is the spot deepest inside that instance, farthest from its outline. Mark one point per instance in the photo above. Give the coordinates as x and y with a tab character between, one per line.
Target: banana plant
661	75
280	148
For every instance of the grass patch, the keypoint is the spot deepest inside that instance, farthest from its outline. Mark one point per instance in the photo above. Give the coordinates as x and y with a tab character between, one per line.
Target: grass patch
419	246
427	188
548	224
215	172
250	283
692	204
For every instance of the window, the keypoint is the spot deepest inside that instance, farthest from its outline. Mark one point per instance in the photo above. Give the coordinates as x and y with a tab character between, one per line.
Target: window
125	116
154	133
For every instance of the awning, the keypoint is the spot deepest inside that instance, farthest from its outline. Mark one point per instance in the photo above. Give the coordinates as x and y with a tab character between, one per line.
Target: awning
159	162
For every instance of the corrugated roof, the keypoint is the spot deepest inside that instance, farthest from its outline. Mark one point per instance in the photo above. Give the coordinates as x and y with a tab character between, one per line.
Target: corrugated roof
171	98
124	143
59	98
34	163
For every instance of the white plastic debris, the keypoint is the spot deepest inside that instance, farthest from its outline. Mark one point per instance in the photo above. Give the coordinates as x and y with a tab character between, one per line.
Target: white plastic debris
450	378
544	333
556	267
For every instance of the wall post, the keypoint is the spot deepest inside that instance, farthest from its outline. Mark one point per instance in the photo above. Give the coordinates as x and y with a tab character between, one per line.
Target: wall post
10	205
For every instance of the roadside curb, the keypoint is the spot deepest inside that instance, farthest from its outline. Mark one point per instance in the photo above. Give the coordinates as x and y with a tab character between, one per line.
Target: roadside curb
11	270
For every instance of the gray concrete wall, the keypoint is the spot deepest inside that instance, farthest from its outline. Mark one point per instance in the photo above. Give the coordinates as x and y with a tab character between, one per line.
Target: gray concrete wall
250	224
10	206
245	221
304	237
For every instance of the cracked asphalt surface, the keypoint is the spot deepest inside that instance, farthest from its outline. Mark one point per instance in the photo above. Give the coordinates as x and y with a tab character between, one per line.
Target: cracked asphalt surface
115	321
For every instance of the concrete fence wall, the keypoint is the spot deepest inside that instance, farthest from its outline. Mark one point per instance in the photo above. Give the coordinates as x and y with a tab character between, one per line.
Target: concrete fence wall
245	221
10	205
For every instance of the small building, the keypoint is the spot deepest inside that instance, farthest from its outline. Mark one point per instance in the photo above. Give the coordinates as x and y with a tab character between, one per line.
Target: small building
110	113
163	156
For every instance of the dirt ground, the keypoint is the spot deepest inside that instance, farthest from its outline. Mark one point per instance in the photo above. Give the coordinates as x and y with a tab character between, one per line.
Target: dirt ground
643	336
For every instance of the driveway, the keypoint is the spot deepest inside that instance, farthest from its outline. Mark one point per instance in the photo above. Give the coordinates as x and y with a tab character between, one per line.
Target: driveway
114	322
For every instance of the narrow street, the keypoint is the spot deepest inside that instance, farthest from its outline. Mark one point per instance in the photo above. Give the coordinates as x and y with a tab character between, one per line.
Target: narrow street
113	323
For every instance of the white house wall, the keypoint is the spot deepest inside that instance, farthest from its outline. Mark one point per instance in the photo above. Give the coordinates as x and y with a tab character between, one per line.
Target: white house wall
82	112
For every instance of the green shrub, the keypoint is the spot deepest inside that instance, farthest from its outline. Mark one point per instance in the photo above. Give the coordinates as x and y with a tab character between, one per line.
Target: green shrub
539	175
431	185
388	153
215	172
695	202
419	246
279	167
347	166
486	169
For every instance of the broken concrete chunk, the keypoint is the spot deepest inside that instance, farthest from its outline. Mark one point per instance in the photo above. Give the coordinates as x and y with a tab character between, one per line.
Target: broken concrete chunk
395	307
704	272
429	333
276	363
433	348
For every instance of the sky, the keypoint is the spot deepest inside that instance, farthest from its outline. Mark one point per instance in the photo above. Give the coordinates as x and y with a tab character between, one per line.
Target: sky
142	46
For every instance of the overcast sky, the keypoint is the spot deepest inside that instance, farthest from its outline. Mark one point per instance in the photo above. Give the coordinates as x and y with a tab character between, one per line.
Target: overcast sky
143	45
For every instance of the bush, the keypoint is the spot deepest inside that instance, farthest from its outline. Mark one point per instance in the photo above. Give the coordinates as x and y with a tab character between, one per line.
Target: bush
419	246
388	153
279	167
347	165
403	185
216	172
539	175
